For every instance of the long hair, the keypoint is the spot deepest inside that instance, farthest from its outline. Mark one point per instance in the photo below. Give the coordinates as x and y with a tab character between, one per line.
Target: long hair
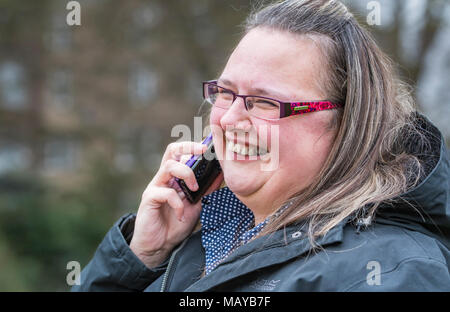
367	164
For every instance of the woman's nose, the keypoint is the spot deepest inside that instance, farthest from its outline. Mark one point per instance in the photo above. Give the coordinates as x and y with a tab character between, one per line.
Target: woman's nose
237	115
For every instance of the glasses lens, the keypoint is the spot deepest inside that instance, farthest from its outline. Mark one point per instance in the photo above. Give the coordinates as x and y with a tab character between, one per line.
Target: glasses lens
263	108
218	96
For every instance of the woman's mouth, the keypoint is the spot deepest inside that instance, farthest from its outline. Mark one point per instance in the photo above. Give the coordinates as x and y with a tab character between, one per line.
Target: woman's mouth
245	150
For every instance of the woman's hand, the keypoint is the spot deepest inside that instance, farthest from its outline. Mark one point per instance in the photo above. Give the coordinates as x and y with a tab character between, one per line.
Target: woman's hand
165	217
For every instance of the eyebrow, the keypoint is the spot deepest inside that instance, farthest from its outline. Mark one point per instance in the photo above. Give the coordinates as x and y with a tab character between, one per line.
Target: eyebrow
258	91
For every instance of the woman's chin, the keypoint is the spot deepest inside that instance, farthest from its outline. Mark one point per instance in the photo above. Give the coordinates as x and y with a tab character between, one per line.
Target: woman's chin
242	184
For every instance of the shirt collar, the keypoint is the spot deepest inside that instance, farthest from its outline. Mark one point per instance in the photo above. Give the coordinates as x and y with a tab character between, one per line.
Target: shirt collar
226	224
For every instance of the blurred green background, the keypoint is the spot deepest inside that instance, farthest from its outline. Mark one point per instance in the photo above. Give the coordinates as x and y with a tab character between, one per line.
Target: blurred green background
87	111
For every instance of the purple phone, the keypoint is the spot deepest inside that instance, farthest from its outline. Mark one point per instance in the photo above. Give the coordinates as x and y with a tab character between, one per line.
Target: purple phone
206	168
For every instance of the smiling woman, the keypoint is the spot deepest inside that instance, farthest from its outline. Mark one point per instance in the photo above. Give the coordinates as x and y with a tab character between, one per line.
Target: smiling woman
303	142
361	176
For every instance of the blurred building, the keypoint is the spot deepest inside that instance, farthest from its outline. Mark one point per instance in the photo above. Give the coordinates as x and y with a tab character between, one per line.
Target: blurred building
110	89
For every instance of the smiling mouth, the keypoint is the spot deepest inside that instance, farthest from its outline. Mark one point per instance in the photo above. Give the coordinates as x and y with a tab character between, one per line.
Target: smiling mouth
245	150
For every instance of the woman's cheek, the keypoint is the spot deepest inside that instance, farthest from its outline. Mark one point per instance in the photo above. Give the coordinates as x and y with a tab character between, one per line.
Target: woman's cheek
218	134
214	119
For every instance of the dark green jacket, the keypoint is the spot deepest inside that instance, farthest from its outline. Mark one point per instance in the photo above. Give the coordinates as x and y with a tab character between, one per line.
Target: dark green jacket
406	248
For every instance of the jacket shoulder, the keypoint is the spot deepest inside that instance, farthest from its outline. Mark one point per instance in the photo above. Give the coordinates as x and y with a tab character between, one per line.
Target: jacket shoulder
385	258
114	267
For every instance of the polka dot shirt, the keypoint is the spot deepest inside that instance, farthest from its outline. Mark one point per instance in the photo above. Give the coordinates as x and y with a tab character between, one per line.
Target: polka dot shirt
226	224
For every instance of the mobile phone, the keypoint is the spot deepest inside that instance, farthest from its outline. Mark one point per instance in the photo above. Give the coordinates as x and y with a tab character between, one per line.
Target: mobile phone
206	168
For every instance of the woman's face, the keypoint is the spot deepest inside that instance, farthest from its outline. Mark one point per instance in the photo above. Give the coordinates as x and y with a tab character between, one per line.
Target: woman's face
284	67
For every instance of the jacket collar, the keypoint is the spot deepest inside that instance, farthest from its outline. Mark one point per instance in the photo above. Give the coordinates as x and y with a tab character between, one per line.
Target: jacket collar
278	247
426	207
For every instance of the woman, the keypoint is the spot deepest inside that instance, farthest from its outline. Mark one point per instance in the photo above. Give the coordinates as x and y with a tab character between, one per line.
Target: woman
358	199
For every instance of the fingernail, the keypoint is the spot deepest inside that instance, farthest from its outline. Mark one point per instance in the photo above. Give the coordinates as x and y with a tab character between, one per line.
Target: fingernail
183	219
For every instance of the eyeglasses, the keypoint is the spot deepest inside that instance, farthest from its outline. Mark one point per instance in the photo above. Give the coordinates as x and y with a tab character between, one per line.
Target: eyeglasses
260	106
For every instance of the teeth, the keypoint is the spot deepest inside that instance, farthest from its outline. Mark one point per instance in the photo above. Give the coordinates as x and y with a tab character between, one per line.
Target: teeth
244	150
237	148
230	145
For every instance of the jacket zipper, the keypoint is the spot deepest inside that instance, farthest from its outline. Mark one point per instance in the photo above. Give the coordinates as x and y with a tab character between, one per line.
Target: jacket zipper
169	266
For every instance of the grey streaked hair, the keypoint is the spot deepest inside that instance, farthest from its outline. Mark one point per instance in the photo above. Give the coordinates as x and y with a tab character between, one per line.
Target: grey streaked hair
367	165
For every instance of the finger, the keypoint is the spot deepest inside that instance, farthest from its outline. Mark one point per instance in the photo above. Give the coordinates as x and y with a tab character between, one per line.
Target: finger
184	159
172	183
176	149
162	195
172	168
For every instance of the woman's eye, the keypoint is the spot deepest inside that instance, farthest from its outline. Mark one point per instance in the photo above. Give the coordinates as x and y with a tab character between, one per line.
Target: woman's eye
225	94
266	104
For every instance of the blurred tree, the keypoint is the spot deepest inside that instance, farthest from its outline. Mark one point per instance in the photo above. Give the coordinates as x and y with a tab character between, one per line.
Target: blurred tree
413	33
85	114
